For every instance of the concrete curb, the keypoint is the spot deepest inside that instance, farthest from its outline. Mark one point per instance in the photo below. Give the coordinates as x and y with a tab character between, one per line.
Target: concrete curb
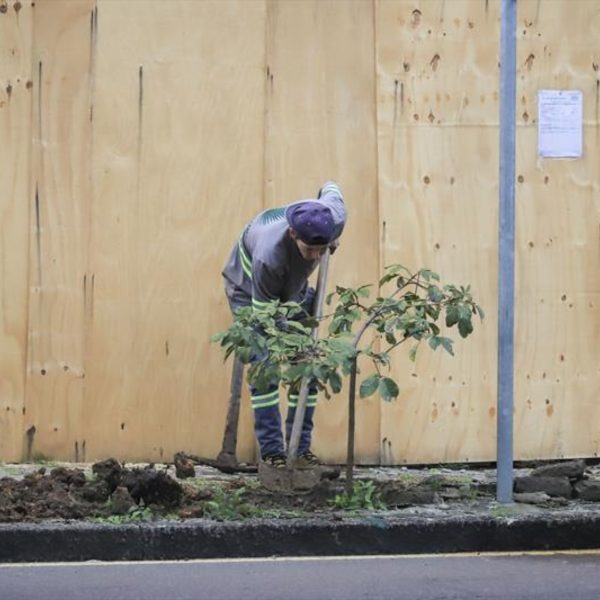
199	538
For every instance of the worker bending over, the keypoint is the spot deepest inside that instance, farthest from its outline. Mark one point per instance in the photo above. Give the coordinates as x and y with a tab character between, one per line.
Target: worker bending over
272	261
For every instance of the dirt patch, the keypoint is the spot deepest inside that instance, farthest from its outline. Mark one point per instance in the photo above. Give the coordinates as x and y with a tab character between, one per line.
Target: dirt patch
113	493
69	494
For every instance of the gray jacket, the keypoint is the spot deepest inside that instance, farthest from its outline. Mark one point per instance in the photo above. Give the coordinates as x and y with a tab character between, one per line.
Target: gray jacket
265	263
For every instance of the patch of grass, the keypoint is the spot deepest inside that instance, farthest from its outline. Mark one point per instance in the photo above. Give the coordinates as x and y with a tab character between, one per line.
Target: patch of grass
229	506
459	480
434	471
364	497
170	517
202	484
281	513
504	510
135	514
468	492
434	483
408	479
197	483
39	458
252	484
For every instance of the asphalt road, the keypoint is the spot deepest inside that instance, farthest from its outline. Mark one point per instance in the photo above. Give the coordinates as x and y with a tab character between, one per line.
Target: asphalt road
559	576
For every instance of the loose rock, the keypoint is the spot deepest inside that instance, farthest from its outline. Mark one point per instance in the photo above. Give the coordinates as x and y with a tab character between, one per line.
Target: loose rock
184	466
532	497
553	486
110	471
573	469
153	487
95	491
400	498
74	477
588	490
121	501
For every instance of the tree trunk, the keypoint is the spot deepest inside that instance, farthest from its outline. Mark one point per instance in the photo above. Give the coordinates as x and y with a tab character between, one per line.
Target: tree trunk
351	429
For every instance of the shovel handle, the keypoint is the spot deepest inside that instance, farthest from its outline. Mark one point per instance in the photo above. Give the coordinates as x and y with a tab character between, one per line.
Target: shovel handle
228	449
303	395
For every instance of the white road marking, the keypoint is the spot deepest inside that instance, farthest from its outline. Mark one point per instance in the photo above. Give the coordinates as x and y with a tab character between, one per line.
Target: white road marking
98	563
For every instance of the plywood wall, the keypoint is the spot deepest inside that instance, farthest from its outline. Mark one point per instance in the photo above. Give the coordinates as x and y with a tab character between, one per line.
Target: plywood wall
320	125
437	100
558	240
139	137
15	168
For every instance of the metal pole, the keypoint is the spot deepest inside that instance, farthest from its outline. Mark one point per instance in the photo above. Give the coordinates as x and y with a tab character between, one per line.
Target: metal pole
506	258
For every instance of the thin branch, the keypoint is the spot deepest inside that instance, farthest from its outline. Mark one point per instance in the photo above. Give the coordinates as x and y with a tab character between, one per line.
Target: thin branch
379	312
407	337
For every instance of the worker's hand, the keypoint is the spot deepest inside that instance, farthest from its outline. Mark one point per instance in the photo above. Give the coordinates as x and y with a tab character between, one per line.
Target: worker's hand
308	302
281	323
320	193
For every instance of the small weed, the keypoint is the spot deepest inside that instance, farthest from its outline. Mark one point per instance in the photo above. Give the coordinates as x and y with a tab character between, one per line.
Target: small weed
253	484
135	514
280	513
408	479
468	492
364	497
504	510
228	506
39	458
171	517
460	480
198	483
434	483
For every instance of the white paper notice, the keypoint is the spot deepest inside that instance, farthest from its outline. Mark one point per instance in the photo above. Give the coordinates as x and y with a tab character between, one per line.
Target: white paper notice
560	123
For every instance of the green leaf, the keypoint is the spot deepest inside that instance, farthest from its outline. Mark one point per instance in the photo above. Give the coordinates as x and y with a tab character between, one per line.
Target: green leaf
428	275
480	311
329	297
452	315
392	271
298	327
465	327
335	381
310	323
388	389
434	342
244	355
447	345
383	358
354	314
412	353
432	311
363	291
434	293
369	386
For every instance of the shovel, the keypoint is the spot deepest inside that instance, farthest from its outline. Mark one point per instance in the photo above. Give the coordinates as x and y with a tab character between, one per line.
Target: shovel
226	460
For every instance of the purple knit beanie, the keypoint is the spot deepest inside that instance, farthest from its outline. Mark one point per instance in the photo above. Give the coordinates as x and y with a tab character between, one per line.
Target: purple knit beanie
312	221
